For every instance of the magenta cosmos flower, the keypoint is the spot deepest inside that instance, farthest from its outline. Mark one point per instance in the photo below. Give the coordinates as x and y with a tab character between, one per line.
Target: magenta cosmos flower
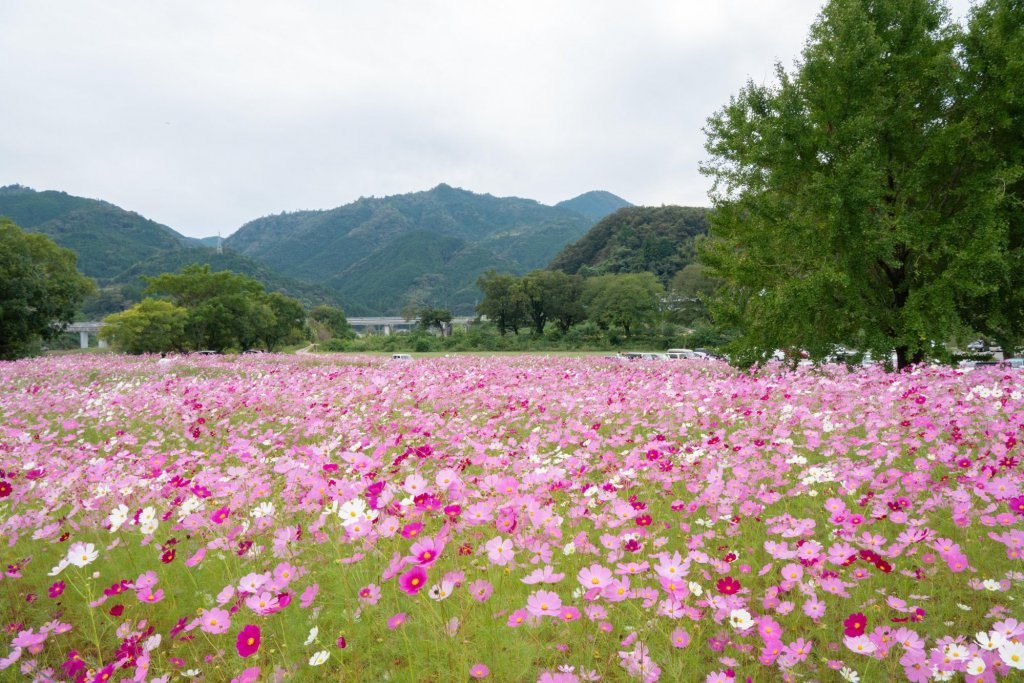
479	671
248	640
413	580
220	516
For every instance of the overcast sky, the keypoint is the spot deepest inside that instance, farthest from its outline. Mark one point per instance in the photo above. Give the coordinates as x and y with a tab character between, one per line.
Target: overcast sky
203	115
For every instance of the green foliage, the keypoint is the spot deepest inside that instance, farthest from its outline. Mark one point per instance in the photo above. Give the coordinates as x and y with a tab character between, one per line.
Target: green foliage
150	326
849	206
628	300
434	317
554	296
504	301
222	310
40	288
688	291
994	57
327	322
658	240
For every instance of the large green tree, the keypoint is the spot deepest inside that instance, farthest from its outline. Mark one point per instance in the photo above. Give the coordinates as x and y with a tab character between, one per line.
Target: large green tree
994	107
628	300
554	296
40	289
504	301
150	326
848	207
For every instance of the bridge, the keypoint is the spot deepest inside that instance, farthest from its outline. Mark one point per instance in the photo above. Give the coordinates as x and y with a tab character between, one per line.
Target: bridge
388	325
84	330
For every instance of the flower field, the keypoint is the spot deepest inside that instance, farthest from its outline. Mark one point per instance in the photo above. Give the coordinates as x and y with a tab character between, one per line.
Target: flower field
511	519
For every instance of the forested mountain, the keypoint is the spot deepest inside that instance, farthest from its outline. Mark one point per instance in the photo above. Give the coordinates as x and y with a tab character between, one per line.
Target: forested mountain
424	247
106	238
370	257
594	205
659	240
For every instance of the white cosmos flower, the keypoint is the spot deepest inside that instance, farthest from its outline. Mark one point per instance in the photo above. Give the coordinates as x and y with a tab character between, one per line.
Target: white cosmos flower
81	554
118	516
148	527
849	674
319	658
1012	655
61	566
695	588
264	509
976	666
991	584
313	633
740	619
989	641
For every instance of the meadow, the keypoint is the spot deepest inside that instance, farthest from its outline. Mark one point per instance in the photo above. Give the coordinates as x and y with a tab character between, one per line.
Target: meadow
273	518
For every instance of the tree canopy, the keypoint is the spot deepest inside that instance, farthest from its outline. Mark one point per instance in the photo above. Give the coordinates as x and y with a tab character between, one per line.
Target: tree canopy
40	289
861	200
222	310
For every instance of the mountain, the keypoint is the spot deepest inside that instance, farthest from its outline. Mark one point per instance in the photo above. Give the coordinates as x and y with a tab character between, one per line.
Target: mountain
426	247
594	205
173	261
635	239
106	238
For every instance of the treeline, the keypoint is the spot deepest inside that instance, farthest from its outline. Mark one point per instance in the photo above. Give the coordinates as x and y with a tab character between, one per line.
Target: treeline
197	309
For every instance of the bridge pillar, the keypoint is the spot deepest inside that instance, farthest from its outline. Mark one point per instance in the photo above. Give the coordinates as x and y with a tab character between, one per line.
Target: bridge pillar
102	343
83	339
387	330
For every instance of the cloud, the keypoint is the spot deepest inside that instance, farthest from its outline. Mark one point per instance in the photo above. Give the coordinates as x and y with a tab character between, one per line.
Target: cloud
204	115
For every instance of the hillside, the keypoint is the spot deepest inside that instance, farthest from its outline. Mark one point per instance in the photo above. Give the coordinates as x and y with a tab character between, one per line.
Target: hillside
594	205
635	239
106	238
173	261
428	247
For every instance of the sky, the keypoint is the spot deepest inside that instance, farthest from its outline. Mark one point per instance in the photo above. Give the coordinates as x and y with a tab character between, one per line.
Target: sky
205	114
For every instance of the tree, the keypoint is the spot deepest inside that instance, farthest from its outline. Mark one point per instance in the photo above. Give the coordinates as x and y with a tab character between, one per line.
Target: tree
150	326
847	206
332	320
504	300
435	317
625	299
40	289
288	321
229	310
552	295
993	52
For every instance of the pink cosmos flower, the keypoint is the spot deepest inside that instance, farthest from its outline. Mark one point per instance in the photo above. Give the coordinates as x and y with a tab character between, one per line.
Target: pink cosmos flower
499	550
517	618
413	580
396	621
250	675
544	603
370	594
594	577
680	638
248	641
481	590
479	671
215	621
309	595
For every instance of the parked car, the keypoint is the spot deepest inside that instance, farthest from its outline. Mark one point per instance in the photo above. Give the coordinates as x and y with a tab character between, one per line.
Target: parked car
401	356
